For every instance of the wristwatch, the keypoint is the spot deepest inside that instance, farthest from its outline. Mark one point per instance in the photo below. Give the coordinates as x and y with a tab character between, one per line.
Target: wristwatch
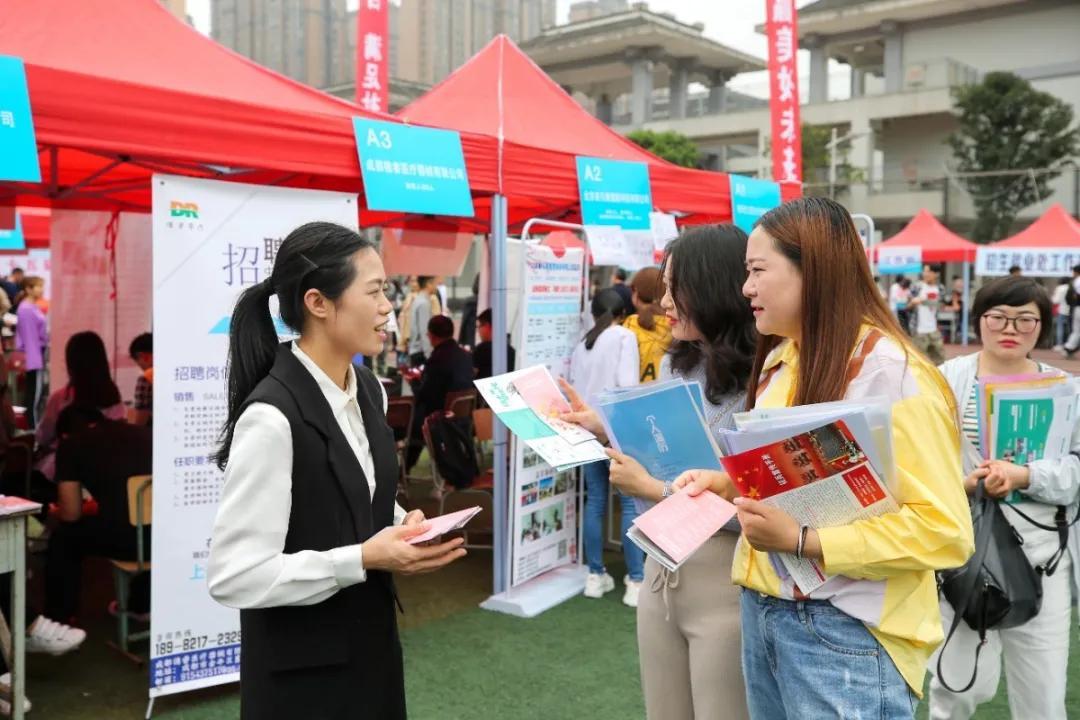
667	491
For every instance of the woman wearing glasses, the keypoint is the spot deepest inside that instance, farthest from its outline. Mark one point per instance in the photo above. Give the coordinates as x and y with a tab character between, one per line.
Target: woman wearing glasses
1011	316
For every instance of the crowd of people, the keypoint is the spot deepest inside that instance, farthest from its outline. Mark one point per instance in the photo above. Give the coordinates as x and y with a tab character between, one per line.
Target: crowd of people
86	441
747	318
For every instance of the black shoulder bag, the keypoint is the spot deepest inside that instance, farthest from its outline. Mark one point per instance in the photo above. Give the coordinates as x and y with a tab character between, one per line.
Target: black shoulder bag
997	587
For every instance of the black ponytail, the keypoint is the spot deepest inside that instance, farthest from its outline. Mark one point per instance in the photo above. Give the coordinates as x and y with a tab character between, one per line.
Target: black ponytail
607	308
316	255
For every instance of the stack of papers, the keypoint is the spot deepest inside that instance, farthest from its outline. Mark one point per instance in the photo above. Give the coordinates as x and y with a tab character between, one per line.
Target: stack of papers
1023	418
661	425
673	529
528	402
824	465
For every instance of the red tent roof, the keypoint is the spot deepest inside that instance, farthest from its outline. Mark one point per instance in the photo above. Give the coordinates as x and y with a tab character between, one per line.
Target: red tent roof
121	88
938	243
501	92
1055	228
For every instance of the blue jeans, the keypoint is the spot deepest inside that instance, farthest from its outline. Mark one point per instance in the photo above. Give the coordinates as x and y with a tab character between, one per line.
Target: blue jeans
596	494
810	660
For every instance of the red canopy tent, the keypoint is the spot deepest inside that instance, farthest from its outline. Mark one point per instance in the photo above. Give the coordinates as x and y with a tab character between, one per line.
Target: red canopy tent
1055	228
121	89
502	93
938	243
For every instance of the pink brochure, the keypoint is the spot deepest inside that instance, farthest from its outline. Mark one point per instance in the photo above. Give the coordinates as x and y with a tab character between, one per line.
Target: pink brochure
539	391
681	524
445	523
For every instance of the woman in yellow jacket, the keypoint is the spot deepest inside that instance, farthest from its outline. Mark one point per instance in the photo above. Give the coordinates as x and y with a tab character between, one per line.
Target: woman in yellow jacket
649	324
858	645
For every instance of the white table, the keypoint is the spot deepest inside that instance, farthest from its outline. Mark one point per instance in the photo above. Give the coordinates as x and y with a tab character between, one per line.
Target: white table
13	639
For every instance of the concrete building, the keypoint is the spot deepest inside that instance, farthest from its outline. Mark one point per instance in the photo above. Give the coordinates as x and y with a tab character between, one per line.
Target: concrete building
435	37
905	59
304	39
636	67
589	9
177	8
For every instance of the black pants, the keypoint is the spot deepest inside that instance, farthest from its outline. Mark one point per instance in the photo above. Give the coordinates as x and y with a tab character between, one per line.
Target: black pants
89	536
33	395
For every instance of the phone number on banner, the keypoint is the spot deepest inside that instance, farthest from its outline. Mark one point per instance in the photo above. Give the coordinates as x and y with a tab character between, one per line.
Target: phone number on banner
194	665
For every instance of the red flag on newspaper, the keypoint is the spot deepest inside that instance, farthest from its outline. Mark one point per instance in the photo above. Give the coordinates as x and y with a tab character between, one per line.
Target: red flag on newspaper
373	55
782	30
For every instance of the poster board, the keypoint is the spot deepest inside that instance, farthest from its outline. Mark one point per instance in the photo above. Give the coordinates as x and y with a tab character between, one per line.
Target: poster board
212	240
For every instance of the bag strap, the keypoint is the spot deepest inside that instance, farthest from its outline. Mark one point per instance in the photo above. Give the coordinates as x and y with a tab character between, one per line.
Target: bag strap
1061	527
974	565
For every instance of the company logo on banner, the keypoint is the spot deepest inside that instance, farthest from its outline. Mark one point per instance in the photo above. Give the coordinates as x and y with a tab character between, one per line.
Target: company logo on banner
1033	261
183	209
412	169
614	192
18	144
750	199
13	239
782	32
195	642
901	260
372	55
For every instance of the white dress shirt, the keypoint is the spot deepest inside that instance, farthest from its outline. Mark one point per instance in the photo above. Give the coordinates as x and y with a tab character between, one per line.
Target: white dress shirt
248	567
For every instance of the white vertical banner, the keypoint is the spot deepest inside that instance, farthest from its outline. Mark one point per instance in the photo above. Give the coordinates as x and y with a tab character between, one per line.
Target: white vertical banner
544	518
211	241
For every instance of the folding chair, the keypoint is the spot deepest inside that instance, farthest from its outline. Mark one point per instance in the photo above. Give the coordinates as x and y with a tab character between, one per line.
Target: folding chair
399	415
452	499
140	493
483	430
460	403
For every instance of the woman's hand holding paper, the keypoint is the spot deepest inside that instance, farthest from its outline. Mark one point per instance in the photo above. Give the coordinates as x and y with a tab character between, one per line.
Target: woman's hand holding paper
770	529
696	482
1002	477
628	475
581	414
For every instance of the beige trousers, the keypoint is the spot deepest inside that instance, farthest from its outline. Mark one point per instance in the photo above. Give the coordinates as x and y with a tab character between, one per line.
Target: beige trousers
689	637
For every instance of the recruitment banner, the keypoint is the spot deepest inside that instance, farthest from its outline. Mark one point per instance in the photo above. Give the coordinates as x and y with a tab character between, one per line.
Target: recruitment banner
1032	261
783	35
211	241
373	55
544	502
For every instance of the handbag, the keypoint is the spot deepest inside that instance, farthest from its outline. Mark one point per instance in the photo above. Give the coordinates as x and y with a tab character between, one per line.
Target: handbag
997	587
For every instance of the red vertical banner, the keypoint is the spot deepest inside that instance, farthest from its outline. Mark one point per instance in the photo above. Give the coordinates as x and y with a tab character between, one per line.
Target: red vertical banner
782	30
373	55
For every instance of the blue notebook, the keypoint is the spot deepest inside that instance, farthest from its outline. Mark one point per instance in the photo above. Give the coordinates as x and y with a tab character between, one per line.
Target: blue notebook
663	429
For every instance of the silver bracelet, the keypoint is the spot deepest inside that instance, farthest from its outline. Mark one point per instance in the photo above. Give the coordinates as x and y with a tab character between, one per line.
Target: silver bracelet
802	541
667	491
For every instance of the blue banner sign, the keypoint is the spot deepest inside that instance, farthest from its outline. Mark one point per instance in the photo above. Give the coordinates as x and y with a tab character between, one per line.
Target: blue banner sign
18	145
412	169
750	199
614	192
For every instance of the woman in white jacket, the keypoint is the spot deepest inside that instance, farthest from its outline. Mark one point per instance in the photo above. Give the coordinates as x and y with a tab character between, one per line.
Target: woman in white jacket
1012	315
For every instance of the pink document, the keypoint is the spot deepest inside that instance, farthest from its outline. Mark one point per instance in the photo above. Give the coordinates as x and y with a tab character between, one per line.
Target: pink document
446	523
539	391
679	525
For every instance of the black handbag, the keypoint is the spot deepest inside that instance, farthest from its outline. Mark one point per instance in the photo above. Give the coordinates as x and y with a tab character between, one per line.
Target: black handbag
997	587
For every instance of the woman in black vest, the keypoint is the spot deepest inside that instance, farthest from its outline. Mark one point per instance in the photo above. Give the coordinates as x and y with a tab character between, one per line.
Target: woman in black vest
308	531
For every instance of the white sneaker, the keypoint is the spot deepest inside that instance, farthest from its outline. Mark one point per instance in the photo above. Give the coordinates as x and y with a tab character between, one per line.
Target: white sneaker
632	589
53	638
5	706
596	584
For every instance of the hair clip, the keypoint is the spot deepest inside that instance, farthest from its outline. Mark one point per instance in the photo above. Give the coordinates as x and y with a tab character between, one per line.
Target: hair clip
310	265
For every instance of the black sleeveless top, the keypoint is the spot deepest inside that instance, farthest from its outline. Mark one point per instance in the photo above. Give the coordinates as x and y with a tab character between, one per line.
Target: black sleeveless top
339	658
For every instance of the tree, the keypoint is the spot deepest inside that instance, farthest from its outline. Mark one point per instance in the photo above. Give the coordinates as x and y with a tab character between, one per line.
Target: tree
670	145
1008	125
816	157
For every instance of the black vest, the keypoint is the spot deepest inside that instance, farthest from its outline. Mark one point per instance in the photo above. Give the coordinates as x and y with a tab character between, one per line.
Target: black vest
354	631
